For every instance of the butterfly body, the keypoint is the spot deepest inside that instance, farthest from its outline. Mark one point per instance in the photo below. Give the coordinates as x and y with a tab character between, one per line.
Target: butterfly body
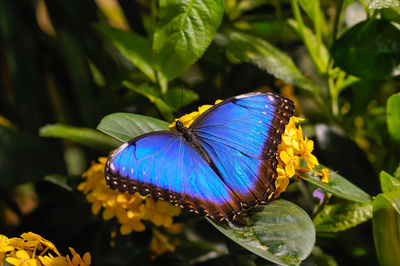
224	162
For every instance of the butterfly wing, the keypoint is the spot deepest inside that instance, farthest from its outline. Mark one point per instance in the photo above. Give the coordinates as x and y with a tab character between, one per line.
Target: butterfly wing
164	165
241	135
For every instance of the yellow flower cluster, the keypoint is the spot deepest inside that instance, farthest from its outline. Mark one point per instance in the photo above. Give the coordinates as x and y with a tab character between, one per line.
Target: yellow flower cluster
160	243
291	151
129	209
33	250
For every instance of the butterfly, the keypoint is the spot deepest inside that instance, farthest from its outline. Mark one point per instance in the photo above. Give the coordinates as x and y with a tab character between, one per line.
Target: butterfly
223	163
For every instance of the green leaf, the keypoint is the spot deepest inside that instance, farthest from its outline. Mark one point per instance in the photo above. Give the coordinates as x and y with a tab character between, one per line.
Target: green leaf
342	216
368	50
376	4
154	96
392	14
338	186
24	158
280	232
313	11
318	48
388	182
393	116
178	97
256	51
396	173
124	126
322	259
58	180
134	47
386	227
184	31
85	136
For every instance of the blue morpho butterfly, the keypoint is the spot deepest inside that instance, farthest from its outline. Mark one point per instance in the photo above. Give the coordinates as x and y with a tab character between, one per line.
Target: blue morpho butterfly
223	163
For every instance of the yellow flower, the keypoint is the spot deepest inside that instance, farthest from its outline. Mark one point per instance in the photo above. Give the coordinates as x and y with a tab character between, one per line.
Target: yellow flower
50	260
29	244
325	175
290	138
77	260
291	161
159	243
282	181
307	146
22	258
291	151
35	241
160	212
4	244
2	256
130	221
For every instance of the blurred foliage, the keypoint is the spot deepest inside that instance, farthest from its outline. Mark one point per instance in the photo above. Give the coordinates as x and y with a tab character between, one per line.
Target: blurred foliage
67	64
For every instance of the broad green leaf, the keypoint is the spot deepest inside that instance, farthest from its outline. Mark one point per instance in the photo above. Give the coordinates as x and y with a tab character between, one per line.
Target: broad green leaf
368	50
134	47
24	158
125	126
178	97
280	232
338	186
312	9
377	4
184	31
154	96
85	136
386	227
259	52
314	12
393	116
320	50
342	216
388	182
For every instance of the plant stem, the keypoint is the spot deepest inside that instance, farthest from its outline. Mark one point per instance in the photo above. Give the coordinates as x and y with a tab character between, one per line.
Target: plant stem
306	194
334	97
333	89
161	81
306	41
336	21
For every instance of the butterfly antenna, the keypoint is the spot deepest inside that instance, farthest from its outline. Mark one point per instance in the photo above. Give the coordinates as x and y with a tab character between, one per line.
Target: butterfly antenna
169	106
180	104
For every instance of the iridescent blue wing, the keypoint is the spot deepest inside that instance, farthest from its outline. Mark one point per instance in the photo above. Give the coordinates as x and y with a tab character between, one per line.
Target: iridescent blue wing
167	167
241	135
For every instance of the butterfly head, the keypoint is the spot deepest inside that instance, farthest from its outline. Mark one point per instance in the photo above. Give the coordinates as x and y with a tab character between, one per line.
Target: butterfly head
179	126
186	133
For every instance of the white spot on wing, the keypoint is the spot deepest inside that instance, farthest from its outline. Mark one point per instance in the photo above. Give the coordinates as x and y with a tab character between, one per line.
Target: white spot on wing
271	98
112	167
